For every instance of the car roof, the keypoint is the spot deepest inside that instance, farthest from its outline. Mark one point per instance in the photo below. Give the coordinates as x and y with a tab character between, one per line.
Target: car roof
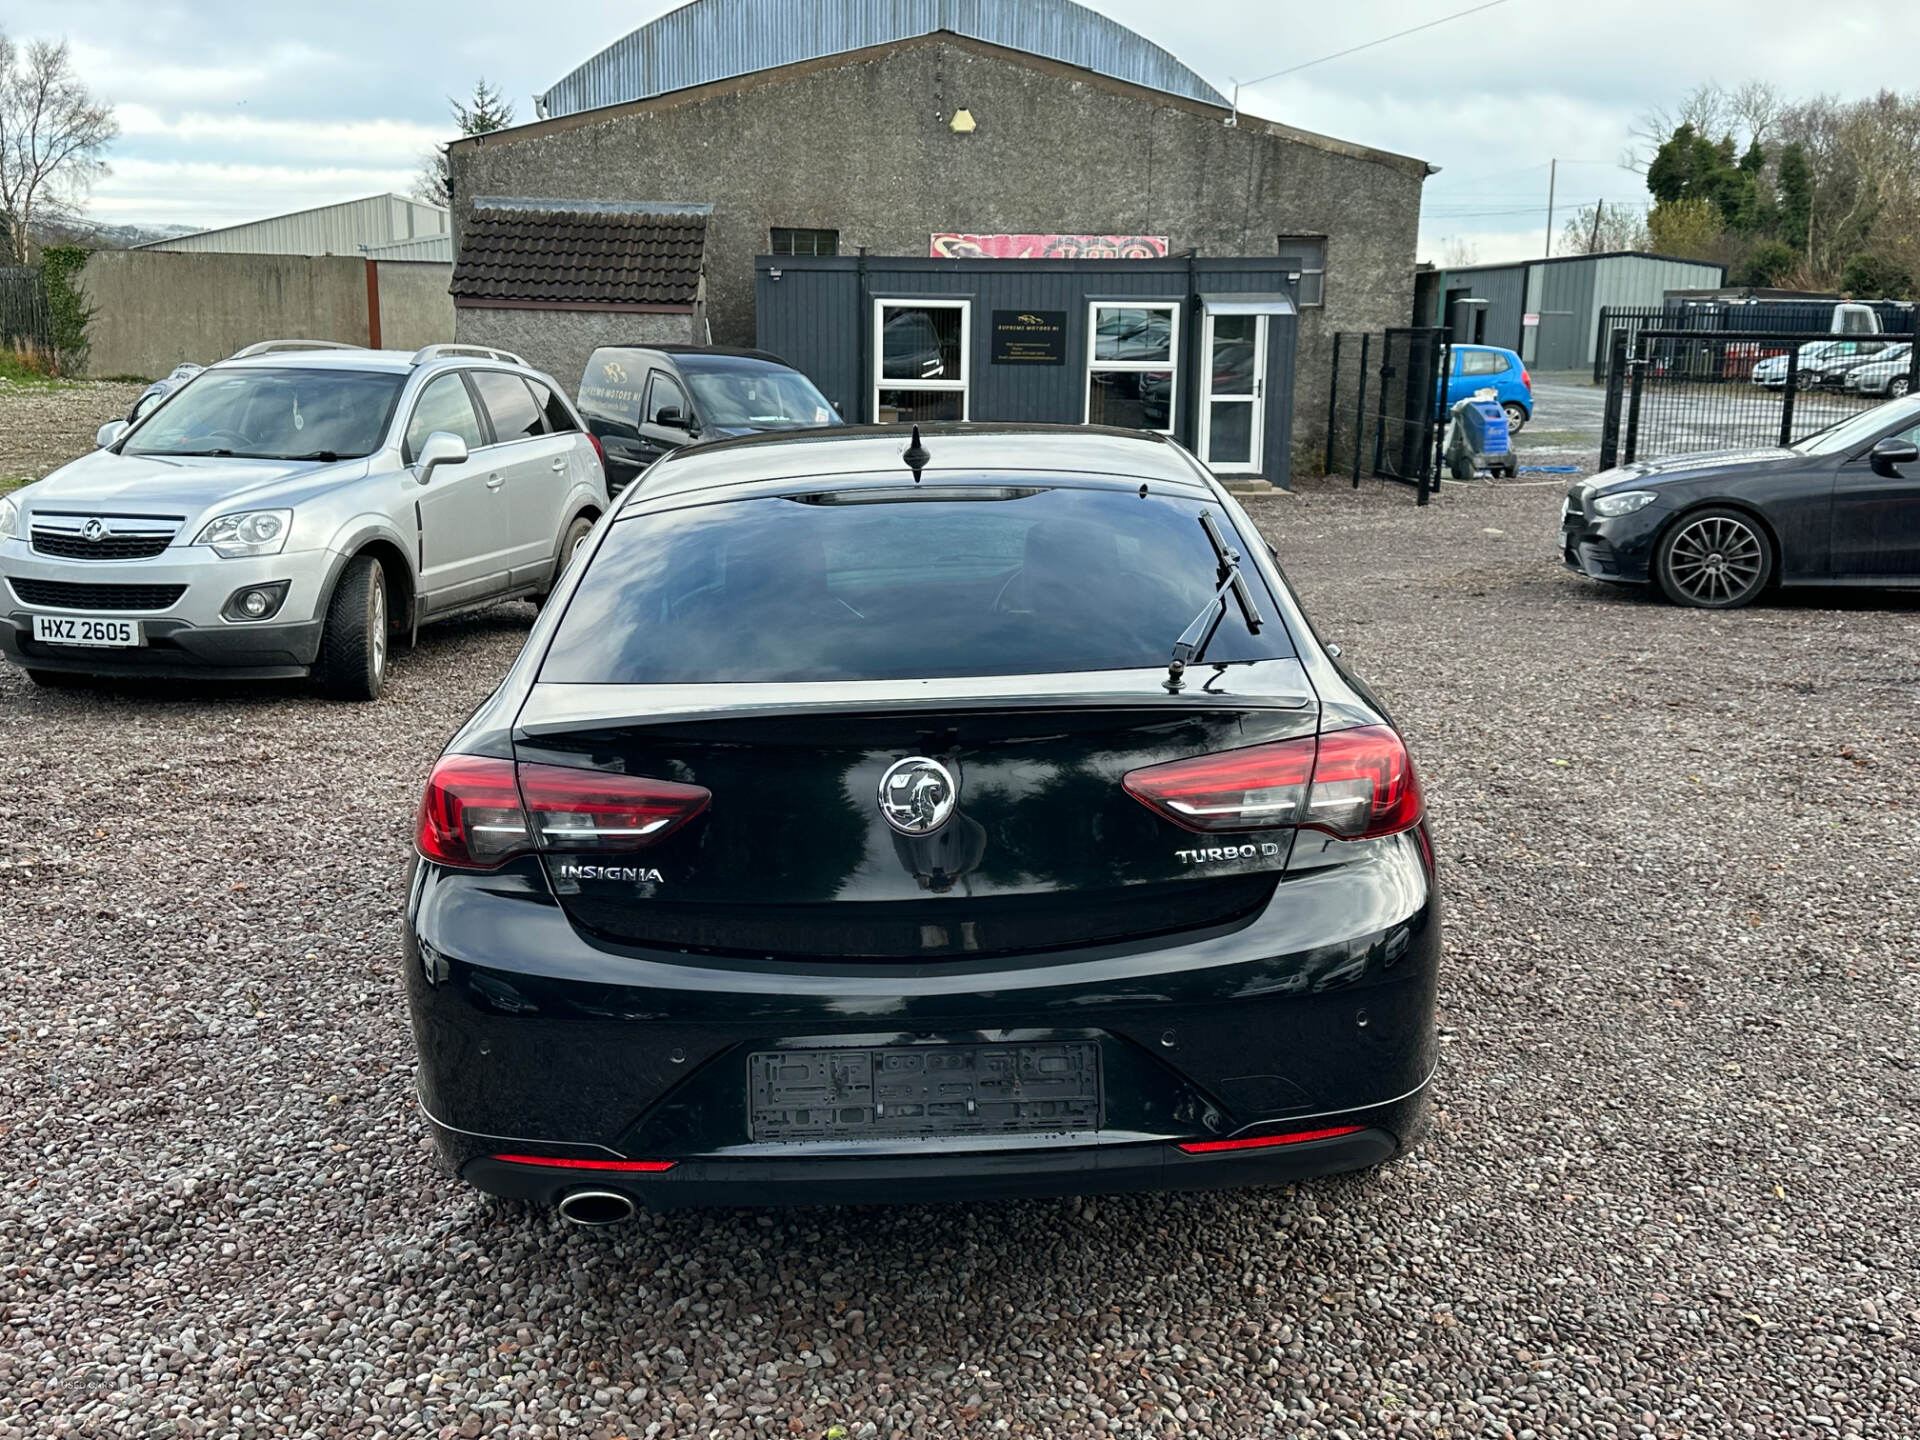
770	462
732	351
324	360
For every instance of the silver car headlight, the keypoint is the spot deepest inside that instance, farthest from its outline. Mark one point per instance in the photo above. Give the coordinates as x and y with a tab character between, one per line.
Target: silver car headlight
9	520
250	532
1624	503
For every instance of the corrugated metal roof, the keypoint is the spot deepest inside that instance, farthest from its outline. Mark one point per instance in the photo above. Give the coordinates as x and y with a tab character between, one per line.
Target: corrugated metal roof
710	40
341	229
421	247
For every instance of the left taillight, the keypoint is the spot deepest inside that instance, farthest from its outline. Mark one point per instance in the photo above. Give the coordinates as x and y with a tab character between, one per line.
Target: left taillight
478	812
1353	784
598	449
470	817
1526	379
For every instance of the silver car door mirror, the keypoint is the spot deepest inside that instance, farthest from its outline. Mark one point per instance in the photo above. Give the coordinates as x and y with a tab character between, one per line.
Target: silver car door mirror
110	432
442	447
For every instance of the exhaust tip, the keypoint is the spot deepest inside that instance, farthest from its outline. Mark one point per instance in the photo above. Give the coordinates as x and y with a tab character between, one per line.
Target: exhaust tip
595	1207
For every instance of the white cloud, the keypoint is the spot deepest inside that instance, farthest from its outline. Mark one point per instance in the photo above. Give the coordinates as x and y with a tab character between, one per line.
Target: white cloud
378	140
360	86
209	194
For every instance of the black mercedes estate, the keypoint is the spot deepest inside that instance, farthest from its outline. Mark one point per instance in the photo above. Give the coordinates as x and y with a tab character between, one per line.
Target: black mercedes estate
875	820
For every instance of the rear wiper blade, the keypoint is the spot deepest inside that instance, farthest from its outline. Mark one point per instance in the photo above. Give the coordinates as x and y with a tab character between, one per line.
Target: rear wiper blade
1194	640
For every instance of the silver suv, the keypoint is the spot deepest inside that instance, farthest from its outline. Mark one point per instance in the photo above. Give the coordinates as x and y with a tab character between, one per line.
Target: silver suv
287	514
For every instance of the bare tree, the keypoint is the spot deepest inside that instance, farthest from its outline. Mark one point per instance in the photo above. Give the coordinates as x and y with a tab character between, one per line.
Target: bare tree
1458	253
1706	107
1755	108
52	136
1603	229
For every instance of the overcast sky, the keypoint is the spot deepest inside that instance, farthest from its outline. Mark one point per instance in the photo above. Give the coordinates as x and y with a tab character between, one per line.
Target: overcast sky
232	110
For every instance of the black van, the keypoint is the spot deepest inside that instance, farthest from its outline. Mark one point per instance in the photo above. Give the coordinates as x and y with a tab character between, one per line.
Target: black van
643	402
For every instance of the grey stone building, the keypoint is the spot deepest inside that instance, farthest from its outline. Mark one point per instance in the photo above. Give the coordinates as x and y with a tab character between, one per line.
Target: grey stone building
891	121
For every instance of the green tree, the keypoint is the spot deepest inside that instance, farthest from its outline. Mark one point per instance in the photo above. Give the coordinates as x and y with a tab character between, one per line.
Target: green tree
1684	168
1768	263
1794	185
486	111
1869	276
1689	227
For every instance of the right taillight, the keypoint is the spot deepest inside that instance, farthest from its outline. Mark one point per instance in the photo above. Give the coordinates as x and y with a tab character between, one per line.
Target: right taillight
478	812
1364	785
1353	784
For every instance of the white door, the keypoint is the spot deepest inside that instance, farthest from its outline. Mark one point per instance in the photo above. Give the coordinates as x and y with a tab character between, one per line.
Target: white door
1233	400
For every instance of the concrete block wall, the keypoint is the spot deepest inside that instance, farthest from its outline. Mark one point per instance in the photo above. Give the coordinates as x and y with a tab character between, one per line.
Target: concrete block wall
154	309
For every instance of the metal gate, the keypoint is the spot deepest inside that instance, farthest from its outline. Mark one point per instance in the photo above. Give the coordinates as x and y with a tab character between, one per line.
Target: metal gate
1384	405
24	317
1670	392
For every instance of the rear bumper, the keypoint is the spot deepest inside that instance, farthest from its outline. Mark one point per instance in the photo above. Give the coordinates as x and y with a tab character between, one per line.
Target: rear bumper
963	1175
532	1039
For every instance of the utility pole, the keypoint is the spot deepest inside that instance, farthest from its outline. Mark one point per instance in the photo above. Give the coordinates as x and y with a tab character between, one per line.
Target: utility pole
1593	240
1553	174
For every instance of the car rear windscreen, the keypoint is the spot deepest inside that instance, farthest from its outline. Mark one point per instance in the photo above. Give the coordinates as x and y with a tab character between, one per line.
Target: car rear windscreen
902	584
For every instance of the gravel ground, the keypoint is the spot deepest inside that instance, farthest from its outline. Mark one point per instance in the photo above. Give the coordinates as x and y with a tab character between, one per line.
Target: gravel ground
1668	1191
44	425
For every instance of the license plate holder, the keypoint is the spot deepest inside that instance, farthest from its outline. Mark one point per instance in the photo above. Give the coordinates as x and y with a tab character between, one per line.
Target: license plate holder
88	631
913	1092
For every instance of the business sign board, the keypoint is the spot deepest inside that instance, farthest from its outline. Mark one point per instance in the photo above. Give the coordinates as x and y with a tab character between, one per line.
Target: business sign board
1029	337
955	246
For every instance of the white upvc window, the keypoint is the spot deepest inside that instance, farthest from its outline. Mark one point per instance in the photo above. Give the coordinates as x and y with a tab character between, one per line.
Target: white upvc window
922	360
1133	364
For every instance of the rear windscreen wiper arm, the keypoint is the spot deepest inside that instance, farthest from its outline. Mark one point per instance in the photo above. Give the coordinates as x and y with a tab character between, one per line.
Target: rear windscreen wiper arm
1194	640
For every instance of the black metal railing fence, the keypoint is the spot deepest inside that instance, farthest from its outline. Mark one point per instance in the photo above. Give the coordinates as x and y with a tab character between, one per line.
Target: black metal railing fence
1384	405
1671	392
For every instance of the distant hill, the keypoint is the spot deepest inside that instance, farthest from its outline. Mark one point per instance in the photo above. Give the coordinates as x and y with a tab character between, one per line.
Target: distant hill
97	236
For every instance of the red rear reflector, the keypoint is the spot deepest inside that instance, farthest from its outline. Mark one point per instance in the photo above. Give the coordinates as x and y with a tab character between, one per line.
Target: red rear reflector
478	812
649	1167
1262	1142
1353	784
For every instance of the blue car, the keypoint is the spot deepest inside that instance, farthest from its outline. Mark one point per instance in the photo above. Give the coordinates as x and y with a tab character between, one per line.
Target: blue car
1482	367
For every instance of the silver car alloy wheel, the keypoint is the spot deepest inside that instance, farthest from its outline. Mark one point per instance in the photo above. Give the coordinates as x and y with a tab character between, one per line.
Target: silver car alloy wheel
379	637
1716	560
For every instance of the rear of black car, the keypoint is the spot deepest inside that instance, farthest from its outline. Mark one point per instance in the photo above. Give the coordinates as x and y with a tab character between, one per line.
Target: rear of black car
851	843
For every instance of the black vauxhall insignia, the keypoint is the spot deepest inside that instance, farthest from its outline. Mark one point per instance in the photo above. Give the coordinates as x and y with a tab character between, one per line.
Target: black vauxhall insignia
983	820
